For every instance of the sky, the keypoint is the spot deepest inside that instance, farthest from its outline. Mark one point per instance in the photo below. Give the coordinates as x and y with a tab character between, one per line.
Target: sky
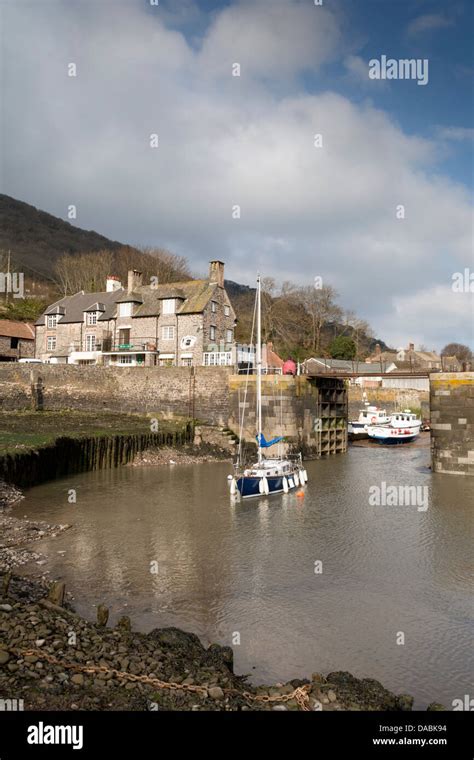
379	205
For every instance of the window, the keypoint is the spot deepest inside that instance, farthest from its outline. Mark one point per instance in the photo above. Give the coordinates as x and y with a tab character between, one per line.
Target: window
212	332
91	318
90	342
14	342
124	338
227	311
217	358
229	336
167	332
213	306
166	362
125	309
186	362
51	342
52	320
125	359
168	306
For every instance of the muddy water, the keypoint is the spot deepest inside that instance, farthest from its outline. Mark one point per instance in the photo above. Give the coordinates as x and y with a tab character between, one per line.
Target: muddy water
246	571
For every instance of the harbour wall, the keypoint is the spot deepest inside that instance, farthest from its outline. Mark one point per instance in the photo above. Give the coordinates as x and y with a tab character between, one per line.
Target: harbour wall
310	412
391	399
452	422
68	455
162	391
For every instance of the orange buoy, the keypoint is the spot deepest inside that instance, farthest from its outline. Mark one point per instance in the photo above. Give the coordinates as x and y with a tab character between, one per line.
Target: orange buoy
300	494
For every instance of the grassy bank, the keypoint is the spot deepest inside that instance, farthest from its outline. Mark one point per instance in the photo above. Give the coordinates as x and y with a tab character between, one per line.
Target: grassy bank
30	430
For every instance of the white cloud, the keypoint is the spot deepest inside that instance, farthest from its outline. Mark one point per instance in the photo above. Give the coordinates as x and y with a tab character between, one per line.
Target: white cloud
358	71
455	133
226	140
428	22
272	39
451	312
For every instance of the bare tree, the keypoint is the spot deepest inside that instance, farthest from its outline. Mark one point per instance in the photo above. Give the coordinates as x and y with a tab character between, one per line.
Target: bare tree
320	305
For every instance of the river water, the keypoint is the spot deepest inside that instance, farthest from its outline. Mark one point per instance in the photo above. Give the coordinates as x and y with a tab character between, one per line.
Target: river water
166	546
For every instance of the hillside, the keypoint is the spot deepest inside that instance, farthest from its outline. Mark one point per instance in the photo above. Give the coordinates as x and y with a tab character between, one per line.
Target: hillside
37	239
59	259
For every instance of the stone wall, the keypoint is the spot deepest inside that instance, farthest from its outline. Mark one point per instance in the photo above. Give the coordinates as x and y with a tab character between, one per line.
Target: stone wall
391	399
292	407
24	348
452	422
289	406
164	391
211	395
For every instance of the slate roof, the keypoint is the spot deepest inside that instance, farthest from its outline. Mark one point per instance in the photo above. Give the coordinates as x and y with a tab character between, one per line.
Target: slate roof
76	305
193	294
132	297
10	328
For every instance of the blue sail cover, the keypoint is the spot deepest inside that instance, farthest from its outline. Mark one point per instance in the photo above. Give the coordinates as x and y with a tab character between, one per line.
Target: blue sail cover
264	444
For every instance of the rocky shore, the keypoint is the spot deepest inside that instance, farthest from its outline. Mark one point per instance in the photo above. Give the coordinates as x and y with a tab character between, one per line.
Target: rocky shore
167	456
53	659
16	533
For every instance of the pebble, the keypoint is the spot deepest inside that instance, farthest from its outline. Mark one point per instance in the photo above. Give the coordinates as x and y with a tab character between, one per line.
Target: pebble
77	678
215	692
6	607
4	657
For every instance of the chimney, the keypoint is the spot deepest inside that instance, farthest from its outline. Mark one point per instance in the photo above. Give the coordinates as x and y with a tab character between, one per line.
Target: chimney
411	346
112	283
378	350
134	280
216	272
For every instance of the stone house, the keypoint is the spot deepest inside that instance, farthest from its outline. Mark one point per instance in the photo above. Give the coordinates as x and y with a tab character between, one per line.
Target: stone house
177	324
408	359
17	340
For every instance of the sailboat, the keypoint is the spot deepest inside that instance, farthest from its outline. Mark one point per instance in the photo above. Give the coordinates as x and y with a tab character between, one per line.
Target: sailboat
268	474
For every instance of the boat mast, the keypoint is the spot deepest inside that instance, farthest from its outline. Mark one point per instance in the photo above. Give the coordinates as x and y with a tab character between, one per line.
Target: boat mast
259	365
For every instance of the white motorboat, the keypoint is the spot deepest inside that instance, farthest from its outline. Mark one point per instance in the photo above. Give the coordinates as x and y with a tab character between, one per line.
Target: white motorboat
371	415
402	428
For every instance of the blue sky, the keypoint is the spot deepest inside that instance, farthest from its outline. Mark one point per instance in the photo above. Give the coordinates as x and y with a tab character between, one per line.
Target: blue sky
248	141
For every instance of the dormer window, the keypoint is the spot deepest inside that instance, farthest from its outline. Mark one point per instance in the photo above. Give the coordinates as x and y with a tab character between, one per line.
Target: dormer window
125	309
52	320
91	317
226	311
169	306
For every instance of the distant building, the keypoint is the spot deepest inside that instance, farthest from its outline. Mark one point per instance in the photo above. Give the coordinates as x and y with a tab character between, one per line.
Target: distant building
318	366
451	364
17	340
177	324
271	362
408	359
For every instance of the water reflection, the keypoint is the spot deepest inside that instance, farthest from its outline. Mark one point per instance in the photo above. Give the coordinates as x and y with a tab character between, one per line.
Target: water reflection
249	567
